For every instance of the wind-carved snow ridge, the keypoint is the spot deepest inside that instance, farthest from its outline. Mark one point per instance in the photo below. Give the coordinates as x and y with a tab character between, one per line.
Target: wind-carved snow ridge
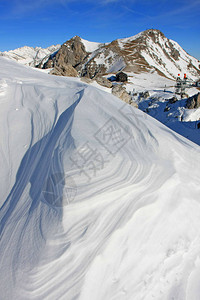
99	200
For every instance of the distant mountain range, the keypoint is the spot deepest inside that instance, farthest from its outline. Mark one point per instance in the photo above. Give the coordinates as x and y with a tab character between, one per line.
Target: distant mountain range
149	51
30	56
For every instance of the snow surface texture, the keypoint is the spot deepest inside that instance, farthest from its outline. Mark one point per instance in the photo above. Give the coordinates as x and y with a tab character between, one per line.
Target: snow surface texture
98	200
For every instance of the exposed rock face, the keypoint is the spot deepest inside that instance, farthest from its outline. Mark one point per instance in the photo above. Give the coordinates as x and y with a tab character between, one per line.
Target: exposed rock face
134	104
120	92
65	70
167	108
144	95
103	81
101	61
173	100
86	80
93	69
193	102
72	53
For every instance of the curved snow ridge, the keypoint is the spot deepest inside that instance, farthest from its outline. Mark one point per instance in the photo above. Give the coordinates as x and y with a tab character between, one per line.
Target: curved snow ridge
102	203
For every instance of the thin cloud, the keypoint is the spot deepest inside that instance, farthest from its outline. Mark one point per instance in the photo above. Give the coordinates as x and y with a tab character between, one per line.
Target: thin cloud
23	6
171	15
135	11
189	7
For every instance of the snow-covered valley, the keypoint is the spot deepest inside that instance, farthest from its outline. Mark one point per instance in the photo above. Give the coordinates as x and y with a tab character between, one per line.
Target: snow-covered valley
98	199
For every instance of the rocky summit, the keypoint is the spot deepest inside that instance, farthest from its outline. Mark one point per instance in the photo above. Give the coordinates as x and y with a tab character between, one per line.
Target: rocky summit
68	58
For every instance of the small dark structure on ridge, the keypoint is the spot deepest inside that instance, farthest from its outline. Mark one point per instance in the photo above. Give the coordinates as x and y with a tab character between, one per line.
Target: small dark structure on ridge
197	83
122	77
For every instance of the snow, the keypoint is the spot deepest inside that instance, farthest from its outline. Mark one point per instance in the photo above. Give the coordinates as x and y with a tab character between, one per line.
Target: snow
175	116
191	115
124	224
91	46
184	55
112	61
148	81
160	90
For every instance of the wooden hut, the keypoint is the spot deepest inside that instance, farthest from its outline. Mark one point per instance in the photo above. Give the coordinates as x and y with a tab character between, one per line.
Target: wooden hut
122	77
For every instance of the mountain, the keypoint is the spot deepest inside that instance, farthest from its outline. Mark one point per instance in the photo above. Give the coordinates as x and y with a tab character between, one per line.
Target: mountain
70	57
98	200
147	51
30	56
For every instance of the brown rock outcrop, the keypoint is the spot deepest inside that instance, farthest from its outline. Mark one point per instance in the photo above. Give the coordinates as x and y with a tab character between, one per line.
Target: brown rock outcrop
65	70
120	92
193	102
103	81
72	53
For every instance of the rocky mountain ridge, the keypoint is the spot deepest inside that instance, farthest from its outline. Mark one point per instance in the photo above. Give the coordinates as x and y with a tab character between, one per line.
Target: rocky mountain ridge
147	52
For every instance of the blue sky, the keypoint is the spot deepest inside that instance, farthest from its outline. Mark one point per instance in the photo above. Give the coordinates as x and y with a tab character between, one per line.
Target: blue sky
46	22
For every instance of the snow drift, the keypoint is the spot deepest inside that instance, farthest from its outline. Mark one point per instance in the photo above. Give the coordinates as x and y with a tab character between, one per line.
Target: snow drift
98	200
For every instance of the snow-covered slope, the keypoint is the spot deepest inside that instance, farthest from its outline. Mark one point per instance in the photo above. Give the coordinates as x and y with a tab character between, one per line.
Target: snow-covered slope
159	103
91	46
30	56
98	200
175	114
